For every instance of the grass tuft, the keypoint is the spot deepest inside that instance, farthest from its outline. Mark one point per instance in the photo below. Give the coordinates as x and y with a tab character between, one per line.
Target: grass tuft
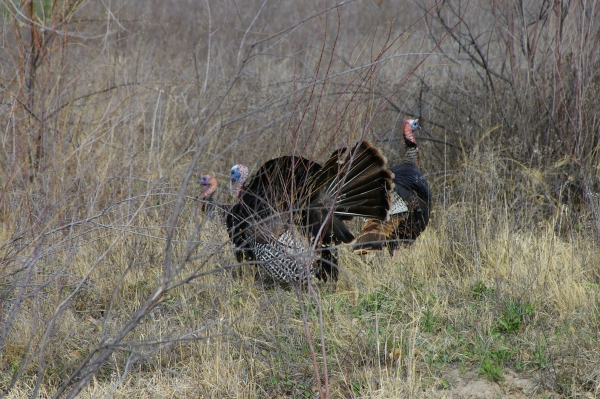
114	283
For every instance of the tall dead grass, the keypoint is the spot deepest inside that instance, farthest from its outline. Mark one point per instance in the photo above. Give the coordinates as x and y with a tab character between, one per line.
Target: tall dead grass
114	283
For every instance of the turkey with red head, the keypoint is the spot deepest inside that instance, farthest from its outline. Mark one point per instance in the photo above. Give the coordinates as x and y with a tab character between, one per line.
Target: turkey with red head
235	227
209	187
411	202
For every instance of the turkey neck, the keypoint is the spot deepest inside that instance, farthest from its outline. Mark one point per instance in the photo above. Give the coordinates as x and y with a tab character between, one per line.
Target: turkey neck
412	153
207	200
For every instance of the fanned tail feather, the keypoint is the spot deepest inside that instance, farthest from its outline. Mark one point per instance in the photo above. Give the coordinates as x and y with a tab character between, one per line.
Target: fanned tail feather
373	235
355	183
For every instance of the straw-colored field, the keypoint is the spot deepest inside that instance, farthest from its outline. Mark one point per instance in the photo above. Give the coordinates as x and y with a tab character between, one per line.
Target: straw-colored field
114	283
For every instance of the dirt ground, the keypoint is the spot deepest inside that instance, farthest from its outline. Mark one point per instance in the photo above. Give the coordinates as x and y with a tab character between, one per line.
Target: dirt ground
473	386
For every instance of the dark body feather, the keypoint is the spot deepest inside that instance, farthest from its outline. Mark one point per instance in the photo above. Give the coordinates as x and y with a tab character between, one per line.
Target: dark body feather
409	212
236	229
226	215
291	202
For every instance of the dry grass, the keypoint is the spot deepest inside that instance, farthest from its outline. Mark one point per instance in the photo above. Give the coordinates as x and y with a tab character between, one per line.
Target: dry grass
113	283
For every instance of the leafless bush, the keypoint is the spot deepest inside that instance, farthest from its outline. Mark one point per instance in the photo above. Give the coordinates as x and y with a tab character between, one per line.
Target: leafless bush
107	107
108	267
531	68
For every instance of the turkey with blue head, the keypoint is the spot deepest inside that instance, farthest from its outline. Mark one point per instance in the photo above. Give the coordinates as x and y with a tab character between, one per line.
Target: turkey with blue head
294	209
411	203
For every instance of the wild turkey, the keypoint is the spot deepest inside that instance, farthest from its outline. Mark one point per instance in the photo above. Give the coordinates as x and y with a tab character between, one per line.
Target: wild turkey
411	201
235	227
291	202
209	186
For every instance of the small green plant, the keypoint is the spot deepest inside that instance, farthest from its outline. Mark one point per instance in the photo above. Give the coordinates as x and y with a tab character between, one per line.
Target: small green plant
520	366
340	304
501	354
443	357
540	355
380	300
513	317
15	365
479	289
370	303
493	357
428	321
443	384
284	384
357	387
491	369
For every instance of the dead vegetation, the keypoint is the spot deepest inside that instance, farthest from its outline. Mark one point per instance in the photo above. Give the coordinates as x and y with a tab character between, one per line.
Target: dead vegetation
113	283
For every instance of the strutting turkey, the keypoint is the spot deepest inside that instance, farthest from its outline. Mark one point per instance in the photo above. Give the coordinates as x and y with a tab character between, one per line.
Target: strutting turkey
292	205
235	226
411	202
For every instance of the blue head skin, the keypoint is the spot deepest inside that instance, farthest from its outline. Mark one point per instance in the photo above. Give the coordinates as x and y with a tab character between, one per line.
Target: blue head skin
415	124
237	177
205	180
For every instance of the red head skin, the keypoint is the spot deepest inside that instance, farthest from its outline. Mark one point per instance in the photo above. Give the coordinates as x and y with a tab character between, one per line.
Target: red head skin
408	131
412	150
209	185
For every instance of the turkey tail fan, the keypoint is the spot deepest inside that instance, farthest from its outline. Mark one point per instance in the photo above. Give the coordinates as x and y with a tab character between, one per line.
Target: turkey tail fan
372	237
411	203
369	242
294	209
375	234
279	185
355	183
